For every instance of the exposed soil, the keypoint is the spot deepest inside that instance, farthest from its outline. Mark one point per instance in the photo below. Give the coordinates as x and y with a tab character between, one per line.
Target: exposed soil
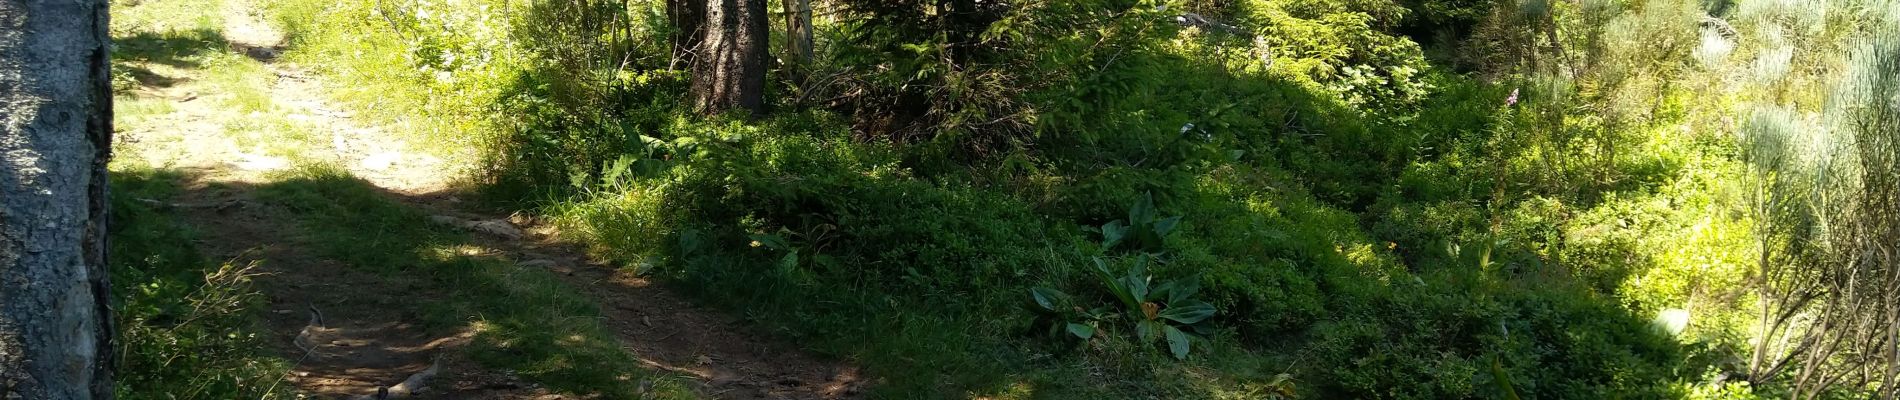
351	332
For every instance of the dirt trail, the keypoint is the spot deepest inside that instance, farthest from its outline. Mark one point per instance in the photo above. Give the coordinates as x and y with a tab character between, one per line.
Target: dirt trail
367	338
666	332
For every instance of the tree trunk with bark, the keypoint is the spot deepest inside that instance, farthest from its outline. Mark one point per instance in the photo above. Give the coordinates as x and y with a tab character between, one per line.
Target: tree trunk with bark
798	31
55	137
729	72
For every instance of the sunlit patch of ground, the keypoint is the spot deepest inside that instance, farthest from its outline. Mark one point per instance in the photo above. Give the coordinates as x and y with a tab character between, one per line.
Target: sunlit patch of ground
210	97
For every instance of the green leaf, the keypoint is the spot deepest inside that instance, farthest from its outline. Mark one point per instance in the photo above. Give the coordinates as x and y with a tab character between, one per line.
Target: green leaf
1177	342
1141	266
771	241
689	241
1164	226
1115	285
611	173
1101	268
790	260
1144	210
652	142
1183	289
1508	391
1147	330
1112	234
1046	297
1164	291
648	167
1137	288
1188	312
1083	332
578	179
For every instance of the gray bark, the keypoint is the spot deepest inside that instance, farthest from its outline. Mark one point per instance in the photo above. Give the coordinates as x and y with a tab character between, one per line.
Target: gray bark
798	32
729	73
55	136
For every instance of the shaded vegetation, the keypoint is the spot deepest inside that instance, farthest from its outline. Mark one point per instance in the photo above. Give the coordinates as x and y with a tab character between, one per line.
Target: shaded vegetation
189	327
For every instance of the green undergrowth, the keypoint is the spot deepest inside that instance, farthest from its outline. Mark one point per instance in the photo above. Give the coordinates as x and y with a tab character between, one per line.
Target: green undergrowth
1367	224
189	327
525	319
924	282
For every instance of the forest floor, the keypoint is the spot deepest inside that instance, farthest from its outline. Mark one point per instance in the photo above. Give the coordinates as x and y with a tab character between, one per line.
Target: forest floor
238	129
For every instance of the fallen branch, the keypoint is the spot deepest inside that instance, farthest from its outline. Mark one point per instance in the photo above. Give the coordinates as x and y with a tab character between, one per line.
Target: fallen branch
408	387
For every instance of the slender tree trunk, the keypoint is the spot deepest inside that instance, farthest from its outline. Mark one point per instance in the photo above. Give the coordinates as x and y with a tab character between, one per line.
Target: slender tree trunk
729	73
689	29
798	31
55	136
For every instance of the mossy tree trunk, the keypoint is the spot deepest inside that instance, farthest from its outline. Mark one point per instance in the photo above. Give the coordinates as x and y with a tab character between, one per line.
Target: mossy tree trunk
55	137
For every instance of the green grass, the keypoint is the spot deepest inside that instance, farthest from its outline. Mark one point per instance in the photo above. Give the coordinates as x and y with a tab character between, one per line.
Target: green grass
190	328
167	15
370	69
245	81
177	48
525	319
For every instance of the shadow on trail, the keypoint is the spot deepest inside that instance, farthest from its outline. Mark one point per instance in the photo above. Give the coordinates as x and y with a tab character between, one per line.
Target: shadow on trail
184	49
180	48
185	322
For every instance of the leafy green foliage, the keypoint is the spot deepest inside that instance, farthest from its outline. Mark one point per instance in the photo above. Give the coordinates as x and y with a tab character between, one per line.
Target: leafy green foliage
1370	223
1065	318
1143	228
1159	311
1165	310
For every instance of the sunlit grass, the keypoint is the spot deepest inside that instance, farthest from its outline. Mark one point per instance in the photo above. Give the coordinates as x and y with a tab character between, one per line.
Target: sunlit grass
133	111
245	81
166	15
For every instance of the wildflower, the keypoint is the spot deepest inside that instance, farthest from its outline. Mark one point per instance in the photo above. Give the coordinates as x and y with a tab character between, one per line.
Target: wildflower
1511	101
